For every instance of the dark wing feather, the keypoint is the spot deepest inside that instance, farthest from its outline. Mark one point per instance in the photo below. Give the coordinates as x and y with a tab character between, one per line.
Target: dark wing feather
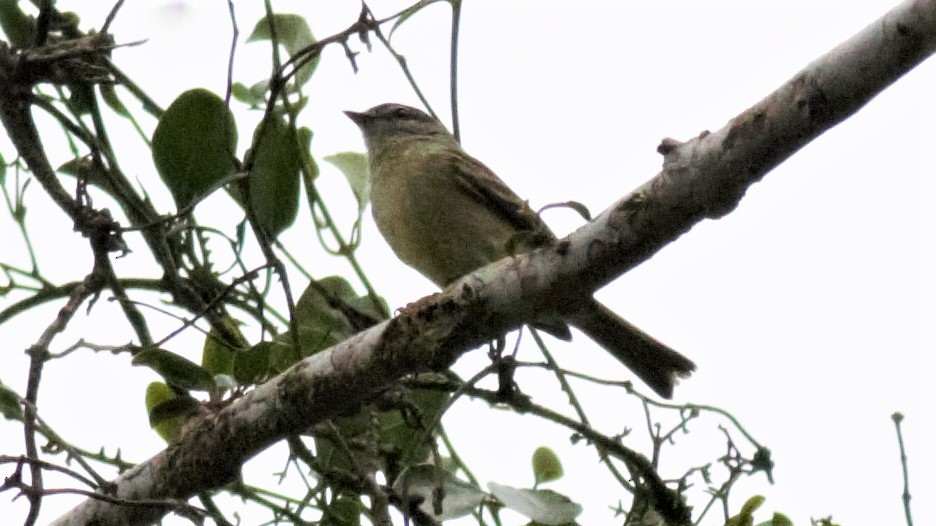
484	186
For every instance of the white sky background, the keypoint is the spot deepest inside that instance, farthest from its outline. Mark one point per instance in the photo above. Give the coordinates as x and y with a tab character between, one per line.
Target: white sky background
804	309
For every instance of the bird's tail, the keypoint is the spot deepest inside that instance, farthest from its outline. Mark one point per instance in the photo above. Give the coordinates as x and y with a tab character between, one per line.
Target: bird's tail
654	363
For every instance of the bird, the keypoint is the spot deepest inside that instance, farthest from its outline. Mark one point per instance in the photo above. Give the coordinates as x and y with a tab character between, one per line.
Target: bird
446	214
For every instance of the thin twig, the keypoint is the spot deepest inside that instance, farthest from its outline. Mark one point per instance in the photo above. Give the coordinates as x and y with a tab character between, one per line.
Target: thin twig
898	418
453	68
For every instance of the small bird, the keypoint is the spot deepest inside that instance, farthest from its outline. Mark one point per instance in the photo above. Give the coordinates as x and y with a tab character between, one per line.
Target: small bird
446	214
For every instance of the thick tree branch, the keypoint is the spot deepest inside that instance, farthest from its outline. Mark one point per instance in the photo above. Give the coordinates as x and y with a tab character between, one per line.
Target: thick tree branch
705	177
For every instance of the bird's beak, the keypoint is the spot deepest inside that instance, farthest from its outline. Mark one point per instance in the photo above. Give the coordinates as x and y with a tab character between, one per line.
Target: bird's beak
358	118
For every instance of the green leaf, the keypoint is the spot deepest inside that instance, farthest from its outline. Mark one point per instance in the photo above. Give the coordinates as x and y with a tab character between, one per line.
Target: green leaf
109	94
68	21
546	465
401	430
354	167
778	519
321	323
274	176
159	400
337	286
293	33
10	406
247	95
193	145
180	406
283	354
752	504
746	516
543	506
409	12
81	98
19	28
217	355
177	370
460	498
305	139
345	511
253	365
225	381
354	430
365	305
329	311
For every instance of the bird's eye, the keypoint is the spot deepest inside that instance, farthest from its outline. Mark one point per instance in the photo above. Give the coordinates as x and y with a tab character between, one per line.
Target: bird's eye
401	113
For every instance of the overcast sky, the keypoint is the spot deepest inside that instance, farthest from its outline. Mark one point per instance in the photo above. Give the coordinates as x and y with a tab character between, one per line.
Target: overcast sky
805	309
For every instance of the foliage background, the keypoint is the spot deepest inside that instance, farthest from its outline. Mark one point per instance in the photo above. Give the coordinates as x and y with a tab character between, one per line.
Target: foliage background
805	309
